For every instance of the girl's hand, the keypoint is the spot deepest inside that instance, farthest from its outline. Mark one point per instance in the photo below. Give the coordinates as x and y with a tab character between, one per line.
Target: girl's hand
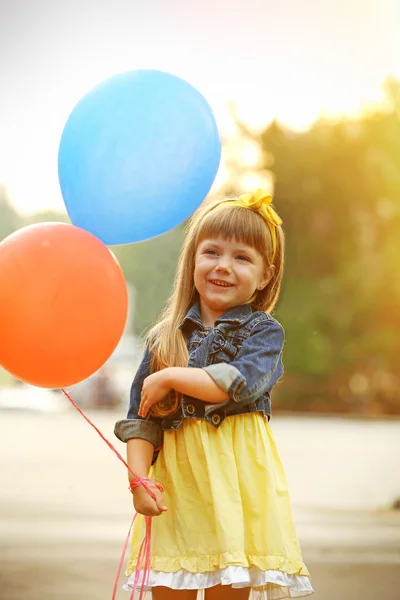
155	388
145	505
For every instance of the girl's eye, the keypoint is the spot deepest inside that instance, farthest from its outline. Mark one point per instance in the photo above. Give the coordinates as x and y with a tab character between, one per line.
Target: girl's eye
243	257
209	251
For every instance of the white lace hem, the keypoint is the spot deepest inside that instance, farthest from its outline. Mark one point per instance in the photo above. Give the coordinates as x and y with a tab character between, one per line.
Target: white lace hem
279	585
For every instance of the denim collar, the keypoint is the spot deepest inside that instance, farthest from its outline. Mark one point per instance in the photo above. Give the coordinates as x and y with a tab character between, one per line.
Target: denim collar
237	314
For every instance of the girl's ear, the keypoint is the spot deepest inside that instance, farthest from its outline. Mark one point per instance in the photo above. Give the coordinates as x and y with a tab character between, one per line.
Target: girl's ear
268	274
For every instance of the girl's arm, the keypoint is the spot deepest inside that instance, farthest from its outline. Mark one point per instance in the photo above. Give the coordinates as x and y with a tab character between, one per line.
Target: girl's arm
189	381
196	383
139	458
143	439
134	427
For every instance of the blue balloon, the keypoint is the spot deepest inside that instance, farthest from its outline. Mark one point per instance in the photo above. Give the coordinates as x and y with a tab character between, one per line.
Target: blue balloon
137	156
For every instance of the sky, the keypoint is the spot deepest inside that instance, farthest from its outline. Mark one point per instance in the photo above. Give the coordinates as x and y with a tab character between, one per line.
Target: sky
293	60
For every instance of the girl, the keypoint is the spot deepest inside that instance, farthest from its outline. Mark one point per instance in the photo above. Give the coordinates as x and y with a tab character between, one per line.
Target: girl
199	412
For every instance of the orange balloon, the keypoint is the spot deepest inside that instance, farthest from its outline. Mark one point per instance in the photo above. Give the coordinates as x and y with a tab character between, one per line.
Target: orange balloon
63	304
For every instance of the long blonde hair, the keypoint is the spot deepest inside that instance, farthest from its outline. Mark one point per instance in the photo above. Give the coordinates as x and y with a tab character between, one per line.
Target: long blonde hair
166	341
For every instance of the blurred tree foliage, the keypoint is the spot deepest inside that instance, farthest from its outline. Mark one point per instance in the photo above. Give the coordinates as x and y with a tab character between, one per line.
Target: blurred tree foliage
9	219
150	266
337	188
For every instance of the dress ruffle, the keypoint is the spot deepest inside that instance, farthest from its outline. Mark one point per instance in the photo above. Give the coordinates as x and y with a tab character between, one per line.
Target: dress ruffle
266	585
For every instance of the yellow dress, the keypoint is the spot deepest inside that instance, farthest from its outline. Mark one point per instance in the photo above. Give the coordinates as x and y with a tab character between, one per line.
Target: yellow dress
229	519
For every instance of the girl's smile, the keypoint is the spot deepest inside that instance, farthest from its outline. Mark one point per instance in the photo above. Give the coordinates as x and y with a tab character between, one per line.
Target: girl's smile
220	283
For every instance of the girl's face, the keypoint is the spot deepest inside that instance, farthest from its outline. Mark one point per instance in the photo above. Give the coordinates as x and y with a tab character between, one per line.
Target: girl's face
226	274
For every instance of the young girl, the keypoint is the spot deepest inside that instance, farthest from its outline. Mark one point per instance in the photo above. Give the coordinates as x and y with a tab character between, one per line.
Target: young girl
199	412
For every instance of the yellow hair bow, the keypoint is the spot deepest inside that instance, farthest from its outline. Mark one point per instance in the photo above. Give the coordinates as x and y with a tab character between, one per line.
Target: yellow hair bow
260	201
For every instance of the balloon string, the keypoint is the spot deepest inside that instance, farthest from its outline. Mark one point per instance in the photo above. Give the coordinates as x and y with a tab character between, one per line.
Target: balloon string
122	559
143	480
144	558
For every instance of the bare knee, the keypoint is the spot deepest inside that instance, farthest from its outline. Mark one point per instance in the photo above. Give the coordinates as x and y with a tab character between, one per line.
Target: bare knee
164	593
226	592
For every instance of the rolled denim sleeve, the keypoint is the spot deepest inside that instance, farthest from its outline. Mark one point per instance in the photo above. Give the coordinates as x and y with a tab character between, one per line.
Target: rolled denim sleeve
134	426
256	367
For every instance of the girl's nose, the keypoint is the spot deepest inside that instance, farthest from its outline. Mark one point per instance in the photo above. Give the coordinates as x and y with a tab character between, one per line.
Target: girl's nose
224	264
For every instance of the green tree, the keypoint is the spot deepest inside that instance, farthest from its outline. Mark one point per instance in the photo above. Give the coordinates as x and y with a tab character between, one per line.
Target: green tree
337	188
150	266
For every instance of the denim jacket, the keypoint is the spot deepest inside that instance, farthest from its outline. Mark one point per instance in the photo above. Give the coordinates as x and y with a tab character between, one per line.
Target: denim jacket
242	353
